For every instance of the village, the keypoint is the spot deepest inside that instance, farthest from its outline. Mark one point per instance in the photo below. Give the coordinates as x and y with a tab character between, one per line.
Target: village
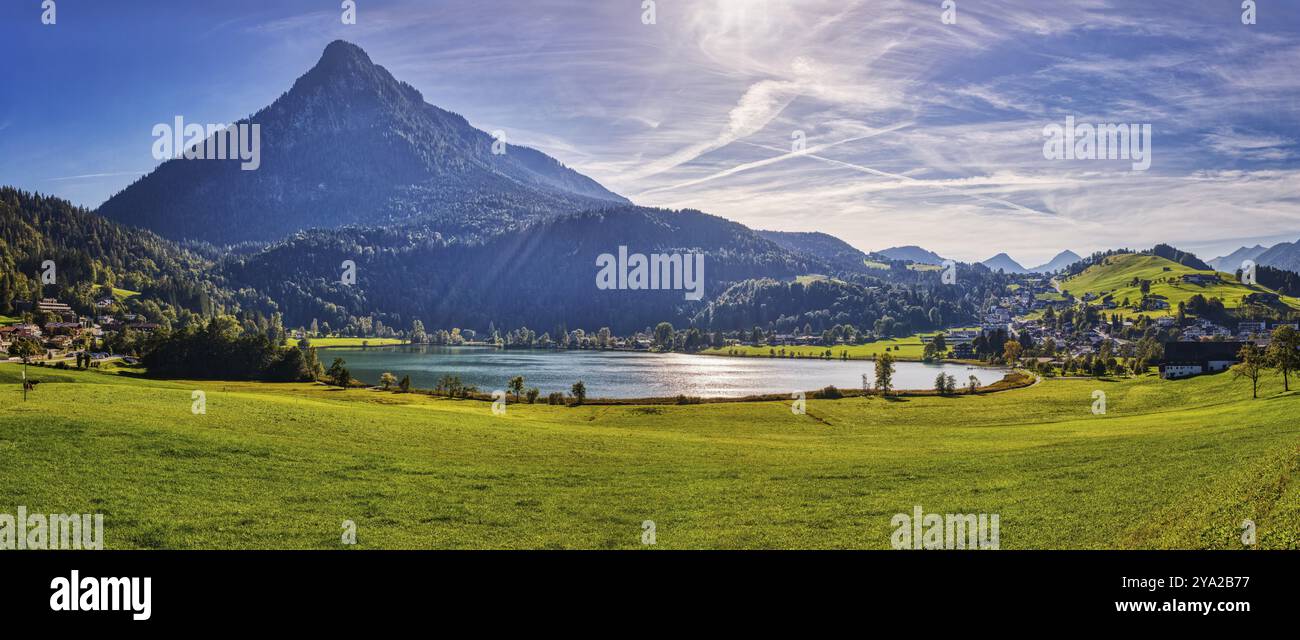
58	334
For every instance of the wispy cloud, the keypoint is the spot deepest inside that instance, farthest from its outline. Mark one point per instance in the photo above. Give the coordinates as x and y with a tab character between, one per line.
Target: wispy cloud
698	109
96	176
1239	144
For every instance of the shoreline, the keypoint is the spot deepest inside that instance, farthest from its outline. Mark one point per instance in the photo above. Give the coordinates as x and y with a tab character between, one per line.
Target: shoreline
708	353
1012	379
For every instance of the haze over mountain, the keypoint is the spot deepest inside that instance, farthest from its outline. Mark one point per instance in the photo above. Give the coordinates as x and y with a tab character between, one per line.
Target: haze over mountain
1061	261
819	246
912	253
1284	255
541	276
1003	262
349	144
1233	260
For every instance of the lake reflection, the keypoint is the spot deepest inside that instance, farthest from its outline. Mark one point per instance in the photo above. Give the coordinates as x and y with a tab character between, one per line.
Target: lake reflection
621	374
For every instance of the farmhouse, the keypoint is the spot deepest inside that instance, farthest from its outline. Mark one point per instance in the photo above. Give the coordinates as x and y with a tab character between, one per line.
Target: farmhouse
54	307
63	328
1200	278
1263	298
26	331
1184	359
1250	328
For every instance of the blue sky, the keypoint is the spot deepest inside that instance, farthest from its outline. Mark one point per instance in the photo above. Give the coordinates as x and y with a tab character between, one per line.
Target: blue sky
917	132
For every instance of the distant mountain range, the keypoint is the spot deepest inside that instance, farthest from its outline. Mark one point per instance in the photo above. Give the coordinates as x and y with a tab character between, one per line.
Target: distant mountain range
820	247
542	276
1061	261
912	253
1284	255
1000	262
349	144
1233	260
1003	262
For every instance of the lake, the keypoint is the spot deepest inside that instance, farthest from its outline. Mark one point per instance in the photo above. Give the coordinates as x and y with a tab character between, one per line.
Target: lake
624	374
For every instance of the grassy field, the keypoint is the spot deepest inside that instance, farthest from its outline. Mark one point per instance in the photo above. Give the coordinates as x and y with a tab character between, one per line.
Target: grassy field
9	320
1115	275
909	348
1171	464
330	343
915	266
815	277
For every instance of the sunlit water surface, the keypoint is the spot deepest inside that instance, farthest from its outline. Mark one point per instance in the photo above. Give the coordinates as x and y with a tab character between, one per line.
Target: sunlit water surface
622	374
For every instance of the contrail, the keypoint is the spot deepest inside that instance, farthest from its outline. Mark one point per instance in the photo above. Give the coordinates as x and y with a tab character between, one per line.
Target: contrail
97	175
763	163
920	183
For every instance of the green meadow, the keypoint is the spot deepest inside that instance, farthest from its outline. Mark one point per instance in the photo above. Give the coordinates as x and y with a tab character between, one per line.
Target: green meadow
1171	464
333	343
908	348
1115	274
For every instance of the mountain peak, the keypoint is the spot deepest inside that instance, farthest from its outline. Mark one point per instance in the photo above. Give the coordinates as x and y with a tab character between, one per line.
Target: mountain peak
349	144
346	69
1061	261
1005	263
342	53
913	253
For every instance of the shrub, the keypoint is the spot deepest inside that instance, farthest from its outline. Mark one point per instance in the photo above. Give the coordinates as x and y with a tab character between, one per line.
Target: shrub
829	393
